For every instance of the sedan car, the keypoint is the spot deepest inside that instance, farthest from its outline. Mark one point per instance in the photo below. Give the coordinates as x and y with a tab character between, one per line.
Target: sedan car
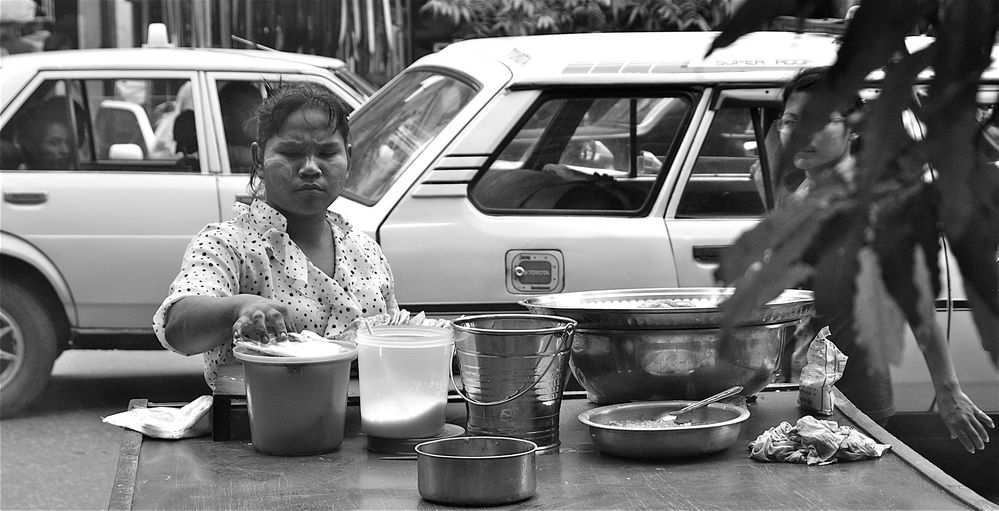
499	169
110	160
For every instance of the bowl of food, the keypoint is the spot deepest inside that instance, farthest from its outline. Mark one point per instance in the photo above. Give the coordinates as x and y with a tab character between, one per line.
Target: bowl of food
666	343
634	430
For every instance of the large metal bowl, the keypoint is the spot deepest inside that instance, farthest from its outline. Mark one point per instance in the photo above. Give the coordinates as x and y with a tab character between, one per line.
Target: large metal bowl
659	344
713	428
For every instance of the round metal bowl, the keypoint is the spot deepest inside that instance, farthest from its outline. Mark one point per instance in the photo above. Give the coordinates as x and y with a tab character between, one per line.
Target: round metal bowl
476	470
713	428
658	344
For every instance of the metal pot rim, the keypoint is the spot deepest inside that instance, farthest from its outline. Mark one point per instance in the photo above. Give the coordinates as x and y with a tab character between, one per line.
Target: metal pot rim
528	446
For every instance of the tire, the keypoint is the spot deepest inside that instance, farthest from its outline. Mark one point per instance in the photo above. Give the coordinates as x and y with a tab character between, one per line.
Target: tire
28	345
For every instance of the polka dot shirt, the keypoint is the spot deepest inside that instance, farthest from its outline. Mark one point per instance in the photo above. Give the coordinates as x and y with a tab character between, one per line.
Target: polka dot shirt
253	254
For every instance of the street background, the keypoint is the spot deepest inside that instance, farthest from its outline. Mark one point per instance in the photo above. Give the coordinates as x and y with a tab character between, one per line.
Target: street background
59	454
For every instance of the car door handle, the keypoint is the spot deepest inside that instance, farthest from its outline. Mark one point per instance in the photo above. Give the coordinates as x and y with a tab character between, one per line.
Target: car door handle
244	198
25	198
709	253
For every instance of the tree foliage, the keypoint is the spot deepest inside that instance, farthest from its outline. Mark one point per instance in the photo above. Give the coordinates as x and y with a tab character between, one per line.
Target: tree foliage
896	218
490	18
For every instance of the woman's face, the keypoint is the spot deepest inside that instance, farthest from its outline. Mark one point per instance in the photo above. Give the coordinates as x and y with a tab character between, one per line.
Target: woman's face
54	147
826	147
305	164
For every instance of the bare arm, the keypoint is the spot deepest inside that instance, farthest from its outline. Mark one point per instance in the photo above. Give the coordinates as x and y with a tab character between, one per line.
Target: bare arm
196	324
965	421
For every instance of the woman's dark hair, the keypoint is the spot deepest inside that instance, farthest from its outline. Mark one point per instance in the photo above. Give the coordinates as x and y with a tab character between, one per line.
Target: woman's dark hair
285	99
807	79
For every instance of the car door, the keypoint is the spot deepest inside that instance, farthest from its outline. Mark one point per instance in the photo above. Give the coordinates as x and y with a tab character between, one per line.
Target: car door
115	216
717	197
545	191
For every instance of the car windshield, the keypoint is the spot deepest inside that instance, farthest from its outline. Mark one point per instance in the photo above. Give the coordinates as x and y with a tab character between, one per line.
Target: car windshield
392	130
356	81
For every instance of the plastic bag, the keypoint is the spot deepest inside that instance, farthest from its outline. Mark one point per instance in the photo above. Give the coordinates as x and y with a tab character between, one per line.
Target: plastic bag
167	422
824	367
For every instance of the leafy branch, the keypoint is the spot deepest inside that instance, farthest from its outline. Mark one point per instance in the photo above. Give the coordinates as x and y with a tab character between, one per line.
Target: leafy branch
492	18
895	219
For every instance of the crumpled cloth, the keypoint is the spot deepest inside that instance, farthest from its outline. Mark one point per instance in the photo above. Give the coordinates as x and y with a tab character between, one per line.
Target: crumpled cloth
814	442
167	422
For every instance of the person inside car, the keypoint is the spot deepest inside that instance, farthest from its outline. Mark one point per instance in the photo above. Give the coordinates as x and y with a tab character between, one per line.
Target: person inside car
238	101
828	159
285	263
46	140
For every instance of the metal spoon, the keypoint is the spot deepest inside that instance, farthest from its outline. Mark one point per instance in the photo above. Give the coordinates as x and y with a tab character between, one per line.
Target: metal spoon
675	416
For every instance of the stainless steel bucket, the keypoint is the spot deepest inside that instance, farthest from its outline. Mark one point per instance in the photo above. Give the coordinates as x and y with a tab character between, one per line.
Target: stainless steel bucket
513	371
476	471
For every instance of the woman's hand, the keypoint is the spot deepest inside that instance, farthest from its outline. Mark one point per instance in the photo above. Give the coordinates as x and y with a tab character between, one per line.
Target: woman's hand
965	421
261	319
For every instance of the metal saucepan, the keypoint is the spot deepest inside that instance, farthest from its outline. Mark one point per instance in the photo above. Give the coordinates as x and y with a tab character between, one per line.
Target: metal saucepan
477	470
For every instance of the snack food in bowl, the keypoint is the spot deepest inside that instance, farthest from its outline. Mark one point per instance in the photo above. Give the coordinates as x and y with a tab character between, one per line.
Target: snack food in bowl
632	430
666	343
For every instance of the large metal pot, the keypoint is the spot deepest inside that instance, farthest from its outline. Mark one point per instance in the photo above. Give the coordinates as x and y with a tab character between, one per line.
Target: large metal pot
476	471
659	344
620	429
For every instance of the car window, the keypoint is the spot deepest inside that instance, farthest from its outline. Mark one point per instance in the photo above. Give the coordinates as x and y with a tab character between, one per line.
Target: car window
136	120
721	183
102	124
585	153
238	102
395	127
48	132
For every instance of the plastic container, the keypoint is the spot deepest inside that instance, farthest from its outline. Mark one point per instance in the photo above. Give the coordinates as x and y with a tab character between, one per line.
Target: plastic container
297	405
404	373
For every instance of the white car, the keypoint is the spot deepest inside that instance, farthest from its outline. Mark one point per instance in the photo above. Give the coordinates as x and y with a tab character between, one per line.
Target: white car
95	217
494	170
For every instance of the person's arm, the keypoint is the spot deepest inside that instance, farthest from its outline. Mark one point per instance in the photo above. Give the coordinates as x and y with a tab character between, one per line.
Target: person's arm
965	421
195	324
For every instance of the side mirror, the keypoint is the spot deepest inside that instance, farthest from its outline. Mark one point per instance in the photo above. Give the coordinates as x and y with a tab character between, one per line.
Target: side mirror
125	152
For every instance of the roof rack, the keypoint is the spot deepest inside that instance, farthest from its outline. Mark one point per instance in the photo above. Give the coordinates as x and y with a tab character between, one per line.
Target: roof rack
834	26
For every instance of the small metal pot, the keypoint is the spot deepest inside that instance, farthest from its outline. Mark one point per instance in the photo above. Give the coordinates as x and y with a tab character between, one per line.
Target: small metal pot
714	428
476	471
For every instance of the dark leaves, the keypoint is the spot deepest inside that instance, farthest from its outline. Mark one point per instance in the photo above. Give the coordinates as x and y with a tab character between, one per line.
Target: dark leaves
876	34
886	149
754	15
967	34
903	224
771	257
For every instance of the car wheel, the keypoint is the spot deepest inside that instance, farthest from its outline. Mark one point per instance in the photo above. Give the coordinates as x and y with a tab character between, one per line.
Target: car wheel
28	347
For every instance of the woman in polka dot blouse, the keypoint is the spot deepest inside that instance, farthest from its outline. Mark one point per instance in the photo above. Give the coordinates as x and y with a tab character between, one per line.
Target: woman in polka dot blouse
285	263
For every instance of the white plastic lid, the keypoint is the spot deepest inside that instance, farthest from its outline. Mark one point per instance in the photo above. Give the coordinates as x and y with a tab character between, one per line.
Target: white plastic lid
404	336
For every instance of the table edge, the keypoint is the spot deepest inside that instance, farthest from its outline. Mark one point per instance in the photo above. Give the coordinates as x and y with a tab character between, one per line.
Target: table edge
911	457
123	489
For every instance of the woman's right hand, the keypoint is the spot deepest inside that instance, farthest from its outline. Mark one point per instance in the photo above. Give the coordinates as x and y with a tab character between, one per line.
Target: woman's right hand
261	319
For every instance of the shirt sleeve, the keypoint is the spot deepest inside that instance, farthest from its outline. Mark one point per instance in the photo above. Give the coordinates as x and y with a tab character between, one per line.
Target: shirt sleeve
210	268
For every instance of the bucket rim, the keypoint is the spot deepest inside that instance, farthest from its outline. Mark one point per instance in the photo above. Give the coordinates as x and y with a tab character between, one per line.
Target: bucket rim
568	322
244	355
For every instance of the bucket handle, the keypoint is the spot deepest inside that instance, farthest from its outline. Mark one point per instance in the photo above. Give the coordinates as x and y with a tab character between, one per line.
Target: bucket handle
521	392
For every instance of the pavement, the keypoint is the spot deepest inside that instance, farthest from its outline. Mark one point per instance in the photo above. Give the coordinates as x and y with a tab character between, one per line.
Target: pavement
60	455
